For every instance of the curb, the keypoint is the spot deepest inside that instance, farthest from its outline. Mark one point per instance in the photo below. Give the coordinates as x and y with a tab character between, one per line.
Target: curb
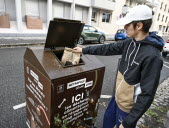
20	45
21	41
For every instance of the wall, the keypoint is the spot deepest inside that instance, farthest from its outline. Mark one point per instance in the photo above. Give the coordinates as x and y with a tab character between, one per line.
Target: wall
104	4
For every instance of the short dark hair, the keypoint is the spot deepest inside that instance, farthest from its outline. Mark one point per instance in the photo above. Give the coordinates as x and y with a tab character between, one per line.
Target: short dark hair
146	24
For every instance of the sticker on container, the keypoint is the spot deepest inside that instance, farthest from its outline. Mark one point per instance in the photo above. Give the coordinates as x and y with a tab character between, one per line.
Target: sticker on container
89	84
76	83
60	89
27	69
34	75
40	85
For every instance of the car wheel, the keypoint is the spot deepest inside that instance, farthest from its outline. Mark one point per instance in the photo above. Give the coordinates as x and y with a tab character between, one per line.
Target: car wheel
164	54
81	40
101	39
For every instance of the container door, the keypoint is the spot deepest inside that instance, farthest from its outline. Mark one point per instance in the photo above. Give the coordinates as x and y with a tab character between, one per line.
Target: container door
75	98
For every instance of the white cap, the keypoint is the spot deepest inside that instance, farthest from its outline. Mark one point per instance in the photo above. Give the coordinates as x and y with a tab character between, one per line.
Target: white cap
137	13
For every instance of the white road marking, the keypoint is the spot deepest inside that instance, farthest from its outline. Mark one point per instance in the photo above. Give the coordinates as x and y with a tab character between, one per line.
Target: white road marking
28	124
166	66
19	106
166	62
105	96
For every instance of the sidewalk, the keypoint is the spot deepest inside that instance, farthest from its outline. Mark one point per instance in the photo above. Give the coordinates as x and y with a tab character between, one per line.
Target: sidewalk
22	41
158	114
8	40
27	41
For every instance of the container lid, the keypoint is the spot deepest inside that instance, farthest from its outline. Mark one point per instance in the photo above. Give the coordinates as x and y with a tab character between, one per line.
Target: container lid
63	33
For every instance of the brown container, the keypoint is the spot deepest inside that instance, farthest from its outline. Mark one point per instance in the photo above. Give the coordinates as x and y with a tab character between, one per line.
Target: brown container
5	21
34	22
56	95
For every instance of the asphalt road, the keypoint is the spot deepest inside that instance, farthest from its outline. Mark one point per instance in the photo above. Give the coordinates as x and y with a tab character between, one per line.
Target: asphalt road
12	85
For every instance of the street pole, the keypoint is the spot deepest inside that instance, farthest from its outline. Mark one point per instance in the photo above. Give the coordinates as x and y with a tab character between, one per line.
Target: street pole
49	12
18	15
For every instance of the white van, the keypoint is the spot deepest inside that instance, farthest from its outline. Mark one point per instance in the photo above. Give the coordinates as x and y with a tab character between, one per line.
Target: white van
166	48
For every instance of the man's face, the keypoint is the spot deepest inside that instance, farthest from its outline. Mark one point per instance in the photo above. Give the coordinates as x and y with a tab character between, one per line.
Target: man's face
130	30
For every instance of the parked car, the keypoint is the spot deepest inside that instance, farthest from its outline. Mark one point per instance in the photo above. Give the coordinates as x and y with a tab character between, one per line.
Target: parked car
166	48
121	35
91	34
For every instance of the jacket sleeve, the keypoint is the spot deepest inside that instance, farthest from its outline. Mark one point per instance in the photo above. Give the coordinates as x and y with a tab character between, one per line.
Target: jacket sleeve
105	49
150	75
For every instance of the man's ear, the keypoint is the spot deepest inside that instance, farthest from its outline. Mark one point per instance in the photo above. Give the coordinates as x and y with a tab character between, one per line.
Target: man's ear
139	26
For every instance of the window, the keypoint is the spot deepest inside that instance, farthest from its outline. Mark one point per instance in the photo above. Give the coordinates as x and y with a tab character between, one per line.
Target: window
86	28
130	3
158	17
2	6
106	17
165	7
92	29
94	16
162	18
121	31
166	29
32	8
163	28
160	27
161	5
166	19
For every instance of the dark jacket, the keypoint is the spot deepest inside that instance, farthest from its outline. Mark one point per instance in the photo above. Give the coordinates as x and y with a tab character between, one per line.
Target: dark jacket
138	75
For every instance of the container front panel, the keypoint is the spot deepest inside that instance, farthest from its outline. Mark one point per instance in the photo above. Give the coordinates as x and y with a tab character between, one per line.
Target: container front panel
75	99
38	97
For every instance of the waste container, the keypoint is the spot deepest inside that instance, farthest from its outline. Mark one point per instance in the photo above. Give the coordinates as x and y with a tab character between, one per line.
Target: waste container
59	96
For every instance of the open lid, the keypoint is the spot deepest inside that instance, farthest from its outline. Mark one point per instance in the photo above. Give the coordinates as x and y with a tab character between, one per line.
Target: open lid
63	33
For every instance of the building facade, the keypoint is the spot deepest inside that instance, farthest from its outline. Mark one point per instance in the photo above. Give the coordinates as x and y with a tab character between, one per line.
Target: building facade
161	13
33	16
161	18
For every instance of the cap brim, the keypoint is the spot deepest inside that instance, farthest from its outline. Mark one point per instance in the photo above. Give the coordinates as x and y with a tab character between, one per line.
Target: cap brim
123	21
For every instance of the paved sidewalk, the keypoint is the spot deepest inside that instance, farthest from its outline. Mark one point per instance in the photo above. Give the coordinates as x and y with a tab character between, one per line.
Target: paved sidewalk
9	40
158	114
21	41
26	41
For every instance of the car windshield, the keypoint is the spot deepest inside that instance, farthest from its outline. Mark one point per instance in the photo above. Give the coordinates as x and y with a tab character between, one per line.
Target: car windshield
85	28
121	31
92	29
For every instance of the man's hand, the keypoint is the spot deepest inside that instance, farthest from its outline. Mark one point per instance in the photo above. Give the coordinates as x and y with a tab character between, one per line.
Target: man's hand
121	126
77	50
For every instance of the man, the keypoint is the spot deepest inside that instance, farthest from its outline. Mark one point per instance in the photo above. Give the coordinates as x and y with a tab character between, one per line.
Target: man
139	68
